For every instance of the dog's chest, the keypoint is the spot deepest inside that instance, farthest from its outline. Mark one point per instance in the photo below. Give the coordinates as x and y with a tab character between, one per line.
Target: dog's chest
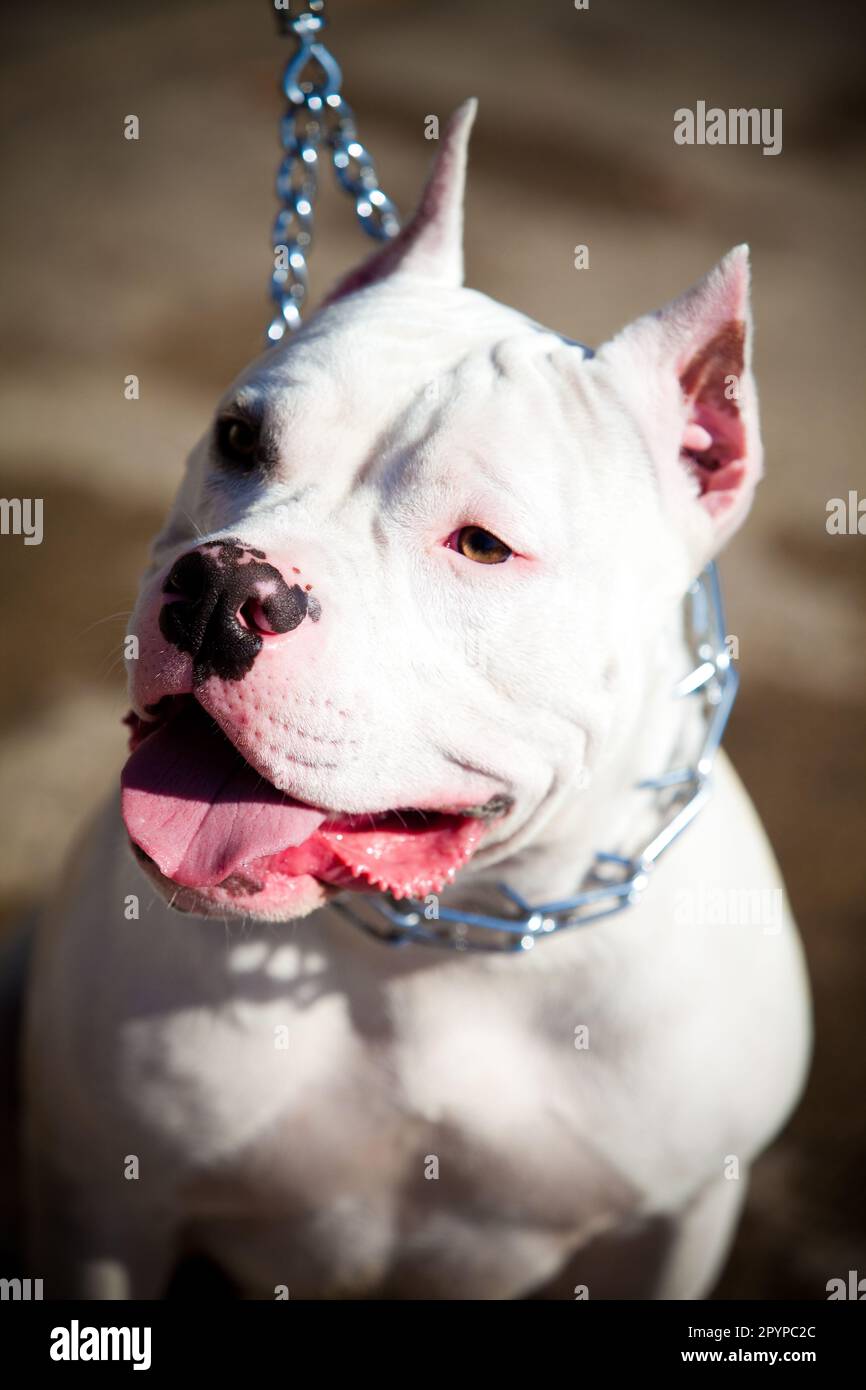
452	1131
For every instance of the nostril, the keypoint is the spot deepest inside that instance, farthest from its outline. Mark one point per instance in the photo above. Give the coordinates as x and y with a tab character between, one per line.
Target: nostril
252	616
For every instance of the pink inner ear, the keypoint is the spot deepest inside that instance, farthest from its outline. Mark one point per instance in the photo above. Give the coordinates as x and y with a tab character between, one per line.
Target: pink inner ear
714	440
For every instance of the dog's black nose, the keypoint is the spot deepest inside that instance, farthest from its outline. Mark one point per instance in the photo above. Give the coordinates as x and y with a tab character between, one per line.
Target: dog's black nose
221	600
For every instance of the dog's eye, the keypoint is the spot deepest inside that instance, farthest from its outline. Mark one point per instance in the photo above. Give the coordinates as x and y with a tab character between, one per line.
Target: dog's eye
479	545
237	441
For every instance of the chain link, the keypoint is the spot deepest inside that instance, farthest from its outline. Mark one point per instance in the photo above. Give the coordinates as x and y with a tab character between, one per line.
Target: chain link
317	119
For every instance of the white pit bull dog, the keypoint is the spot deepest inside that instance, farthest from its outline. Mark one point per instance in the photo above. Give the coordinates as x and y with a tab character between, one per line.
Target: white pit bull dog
417	617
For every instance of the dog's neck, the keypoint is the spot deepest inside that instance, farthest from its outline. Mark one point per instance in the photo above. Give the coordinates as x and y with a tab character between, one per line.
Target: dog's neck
610	813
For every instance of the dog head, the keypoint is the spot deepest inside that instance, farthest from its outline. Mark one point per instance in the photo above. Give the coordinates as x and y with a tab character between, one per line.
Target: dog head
403	608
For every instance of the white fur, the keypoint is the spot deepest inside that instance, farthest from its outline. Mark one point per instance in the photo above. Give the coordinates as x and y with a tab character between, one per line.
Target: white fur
407	407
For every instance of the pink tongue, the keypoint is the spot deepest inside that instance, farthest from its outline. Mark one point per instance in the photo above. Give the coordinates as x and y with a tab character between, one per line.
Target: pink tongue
193	804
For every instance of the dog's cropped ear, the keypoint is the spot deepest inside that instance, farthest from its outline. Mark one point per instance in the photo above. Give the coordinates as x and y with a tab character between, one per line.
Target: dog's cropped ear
688	369
431	244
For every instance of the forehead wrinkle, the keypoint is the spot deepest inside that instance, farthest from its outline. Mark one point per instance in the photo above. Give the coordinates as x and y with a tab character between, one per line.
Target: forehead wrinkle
400	464
314	396
436	418
479	376
345	388
507	366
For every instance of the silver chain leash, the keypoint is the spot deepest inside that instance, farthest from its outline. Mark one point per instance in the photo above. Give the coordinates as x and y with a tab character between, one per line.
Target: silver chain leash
317	114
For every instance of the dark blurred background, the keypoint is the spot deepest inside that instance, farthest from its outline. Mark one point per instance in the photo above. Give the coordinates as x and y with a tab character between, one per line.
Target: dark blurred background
151	257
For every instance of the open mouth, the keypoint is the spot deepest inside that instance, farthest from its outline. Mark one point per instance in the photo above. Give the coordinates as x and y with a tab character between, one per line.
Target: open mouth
210	822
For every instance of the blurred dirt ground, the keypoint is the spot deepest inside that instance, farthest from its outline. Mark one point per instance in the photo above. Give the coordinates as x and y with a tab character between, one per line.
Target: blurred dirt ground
151	257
